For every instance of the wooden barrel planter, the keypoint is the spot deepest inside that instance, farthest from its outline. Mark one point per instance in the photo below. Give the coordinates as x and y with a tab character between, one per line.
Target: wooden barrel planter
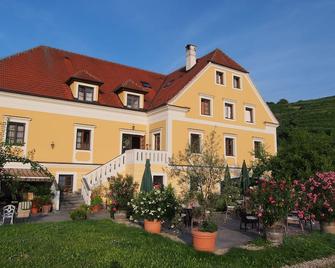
327	227
275	235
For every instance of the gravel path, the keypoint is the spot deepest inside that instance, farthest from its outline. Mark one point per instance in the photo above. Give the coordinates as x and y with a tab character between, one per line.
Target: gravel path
318	263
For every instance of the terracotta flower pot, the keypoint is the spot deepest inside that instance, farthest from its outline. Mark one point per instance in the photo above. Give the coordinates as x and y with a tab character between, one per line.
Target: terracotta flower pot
95	208
327	227
46	209
153	227
275	235
120	215
204	241
34	210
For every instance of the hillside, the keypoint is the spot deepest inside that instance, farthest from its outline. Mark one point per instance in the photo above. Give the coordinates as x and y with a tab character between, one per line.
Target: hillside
315	115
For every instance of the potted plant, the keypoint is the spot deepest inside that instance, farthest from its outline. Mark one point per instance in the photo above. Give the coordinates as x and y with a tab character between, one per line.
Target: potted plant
153	207
273	199
204	172
36	205
46	203
122	190
96	204
316	200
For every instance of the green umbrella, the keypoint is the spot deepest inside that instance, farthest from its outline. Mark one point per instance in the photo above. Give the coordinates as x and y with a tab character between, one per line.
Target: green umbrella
146	184
245	180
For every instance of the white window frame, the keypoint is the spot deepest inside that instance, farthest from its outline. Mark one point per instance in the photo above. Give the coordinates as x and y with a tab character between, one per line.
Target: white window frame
160	174
153	141
74	174
75	150
22	120
234	110
134	94
197	132
95	91
131	132
211	105
224	77
234	137
253	114
253	145
232	81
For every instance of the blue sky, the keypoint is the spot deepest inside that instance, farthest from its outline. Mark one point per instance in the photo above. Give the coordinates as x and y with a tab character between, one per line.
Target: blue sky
288	46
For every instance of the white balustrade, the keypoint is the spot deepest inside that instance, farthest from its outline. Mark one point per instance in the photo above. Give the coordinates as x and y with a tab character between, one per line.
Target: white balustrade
100	175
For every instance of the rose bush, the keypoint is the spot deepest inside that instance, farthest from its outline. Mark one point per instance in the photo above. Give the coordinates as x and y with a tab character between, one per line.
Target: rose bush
316	197
273	199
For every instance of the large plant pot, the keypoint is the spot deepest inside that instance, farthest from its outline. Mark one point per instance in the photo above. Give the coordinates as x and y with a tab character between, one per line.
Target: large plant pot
46	209
204	241
327	227
120	215
153	227
34	210
95	208
275	235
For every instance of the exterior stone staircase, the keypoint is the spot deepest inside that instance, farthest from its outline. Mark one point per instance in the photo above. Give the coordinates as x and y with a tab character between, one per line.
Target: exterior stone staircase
119	164
71	201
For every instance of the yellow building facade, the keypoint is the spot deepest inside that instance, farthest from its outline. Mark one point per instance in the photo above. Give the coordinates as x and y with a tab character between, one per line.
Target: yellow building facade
85	139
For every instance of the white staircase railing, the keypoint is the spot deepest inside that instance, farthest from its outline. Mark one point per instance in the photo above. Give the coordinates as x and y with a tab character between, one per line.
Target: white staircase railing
100	175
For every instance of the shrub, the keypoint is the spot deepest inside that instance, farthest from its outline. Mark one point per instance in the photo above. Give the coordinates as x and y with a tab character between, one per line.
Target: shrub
155	205
273	198
79	213
316	197
208	226
122	189
96	201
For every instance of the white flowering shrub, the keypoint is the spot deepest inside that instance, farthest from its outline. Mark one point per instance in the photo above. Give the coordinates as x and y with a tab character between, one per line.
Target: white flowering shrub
155	205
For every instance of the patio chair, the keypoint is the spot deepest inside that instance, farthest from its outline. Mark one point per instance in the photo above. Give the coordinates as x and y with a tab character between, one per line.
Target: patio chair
230	210
246	219
23	210
8	213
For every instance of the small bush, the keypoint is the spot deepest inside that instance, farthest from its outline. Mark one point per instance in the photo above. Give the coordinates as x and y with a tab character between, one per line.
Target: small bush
208	226
79	213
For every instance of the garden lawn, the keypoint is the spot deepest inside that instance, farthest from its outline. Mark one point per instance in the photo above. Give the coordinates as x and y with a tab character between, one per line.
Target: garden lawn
106	244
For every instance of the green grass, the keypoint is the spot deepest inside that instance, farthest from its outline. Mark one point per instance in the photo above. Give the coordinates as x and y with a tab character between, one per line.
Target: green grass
106	244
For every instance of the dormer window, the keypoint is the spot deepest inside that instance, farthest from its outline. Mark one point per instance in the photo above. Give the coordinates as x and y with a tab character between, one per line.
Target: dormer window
133	101
85	93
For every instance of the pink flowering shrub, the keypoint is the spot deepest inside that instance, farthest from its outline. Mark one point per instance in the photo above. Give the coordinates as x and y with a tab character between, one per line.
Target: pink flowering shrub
273	199
316	197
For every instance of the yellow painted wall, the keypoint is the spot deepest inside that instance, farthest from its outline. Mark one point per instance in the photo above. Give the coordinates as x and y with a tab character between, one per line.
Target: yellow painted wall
206	85
161	125
45	128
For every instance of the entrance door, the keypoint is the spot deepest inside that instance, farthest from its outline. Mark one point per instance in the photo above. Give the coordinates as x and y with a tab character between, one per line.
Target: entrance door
130	141
66	183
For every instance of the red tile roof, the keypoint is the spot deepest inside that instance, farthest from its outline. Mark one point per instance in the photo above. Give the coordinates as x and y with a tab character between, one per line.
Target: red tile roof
44	71
132	86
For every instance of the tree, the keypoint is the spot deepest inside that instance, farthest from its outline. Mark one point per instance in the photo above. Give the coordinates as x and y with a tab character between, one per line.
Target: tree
203	170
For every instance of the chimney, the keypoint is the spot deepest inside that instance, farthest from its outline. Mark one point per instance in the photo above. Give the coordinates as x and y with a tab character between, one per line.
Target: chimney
191	56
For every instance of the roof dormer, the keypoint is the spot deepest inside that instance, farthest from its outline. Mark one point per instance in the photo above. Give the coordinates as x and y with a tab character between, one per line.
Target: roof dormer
84	86
131	94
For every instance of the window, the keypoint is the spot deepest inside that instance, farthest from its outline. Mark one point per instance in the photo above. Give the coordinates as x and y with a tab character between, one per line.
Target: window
257	148
249	115
85	93
83	139
228	110
195	142
229	146
219	78
158	180
15	133
236	81
145	84
157	141
205	106
133	101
